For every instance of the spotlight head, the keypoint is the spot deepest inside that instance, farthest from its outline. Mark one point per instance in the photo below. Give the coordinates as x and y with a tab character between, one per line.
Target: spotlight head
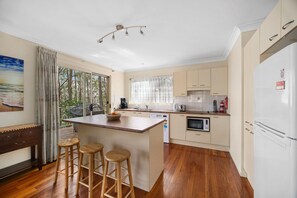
141	32
113	37
126	32
100	41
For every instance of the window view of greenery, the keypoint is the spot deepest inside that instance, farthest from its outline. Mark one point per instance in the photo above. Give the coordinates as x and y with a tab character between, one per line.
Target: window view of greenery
78	90
151	90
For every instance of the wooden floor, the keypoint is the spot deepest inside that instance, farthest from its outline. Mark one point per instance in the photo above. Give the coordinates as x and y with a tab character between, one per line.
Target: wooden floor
189	172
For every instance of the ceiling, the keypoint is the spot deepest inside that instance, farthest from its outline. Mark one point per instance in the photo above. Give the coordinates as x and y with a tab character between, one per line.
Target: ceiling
178	32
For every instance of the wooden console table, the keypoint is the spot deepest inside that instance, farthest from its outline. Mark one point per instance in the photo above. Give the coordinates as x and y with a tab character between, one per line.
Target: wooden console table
17	137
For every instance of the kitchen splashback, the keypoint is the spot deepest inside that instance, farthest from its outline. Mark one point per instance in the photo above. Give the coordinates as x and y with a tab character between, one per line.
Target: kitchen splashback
199	100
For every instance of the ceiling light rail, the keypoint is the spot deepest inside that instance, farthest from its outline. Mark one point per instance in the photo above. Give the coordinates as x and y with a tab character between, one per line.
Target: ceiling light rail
120	28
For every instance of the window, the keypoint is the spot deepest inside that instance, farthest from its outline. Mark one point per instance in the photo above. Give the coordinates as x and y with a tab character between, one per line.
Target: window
151	90
77	90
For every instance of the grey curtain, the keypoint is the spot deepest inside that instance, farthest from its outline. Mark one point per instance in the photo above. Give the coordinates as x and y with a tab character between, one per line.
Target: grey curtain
47	101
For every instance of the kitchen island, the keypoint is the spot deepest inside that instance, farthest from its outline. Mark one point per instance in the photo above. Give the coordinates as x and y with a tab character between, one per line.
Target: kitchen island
143	137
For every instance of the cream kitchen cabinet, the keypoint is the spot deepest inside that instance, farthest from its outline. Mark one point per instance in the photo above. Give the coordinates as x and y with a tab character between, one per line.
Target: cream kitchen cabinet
178	126
289	16
280	21
124	113
204	79
198	79
196	136
141	114
251	59
180	83
192	79
220	130
248	149
134	113
270	28
219	81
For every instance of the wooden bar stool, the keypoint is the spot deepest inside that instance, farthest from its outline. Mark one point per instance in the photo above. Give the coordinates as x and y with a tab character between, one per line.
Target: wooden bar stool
67	145
117	157
90	150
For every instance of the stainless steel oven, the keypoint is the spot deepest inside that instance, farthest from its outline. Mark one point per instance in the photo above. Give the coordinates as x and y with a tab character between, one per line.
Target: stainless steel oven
198	124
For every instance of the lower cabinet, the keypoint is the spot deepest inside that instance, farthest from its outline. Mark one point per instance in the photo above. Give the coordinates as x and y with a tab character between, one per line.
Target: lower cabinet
178	124
220	130
194	136
134	113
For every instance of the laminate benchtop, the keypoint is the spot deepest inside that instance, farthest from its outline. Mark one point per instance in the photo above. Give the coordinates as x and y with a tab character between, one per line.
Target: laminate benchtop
126	123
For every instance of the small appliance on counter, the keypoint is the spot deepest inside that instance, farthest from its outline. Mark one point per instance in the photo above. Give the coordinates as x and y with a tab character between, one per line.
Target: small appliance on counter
123	104
215	106
180	107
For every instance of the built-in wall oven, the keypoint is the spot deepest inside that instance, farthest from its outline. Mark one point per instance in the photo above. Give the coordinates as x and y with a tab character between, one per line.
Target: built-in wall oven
198	124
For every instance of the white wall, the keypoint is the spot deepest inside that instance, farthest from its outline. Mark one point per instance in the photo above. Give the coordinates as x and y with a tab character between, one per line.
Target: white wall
18	48
26	50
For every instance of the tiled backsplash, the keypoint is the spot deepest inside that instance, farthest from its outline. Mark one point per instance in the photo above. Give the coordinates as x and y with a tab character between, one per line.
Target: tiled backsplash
199	100
195	101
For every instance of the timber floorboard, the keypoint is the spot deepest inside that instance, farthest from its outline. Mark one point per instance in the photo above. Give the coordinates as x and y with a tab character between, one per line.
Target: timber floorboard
188	172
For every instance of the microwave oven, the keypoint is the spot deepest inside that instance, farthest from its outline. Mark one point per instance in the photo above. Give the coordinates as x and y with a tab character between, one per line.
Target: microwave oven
198	124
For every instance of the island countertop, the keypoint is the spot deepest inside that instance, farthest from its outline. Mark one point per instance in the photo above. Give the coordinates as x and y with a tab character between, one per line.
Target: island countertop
126	123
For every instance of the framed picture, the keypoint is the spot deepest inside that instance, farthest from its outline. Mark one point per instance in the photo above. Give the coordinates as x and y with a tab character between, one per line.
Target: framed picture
11	84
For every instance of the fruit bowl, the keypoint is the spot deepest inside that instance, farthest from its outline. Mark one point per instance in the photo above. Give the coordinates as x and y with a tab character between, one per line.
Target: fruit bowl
113	117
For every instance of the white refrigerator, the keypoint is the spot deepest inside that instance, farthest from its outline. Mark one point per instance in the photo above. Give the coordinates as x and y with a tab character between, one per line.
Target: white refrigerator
275	125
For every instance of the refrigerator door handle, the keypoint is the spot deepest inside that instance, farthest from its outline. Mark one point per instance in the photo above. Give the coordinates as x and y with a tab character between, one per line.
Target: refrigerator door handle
295	139
267	131
272	130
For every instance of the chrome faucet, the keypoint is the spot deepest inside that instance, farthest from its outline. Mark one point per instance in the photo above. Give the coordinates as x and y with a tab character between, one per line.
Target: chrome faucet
146	107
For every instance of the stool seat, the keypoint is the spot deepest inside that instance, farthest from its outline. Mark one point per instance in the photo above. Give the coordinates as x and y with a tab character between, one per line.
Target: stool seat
91	148
117	155
68	142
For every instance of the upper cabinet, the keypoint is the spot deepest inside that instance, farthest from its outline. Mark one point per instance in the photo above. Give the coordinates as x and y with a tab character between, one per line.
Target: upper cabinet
192	79
281	20
198	79
180	83
204	79
289	16
270	28
219	81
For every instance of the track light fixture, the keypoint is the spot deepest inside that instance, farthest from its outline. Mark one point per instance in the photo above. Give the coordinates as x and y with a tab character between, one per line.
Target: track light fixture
120	28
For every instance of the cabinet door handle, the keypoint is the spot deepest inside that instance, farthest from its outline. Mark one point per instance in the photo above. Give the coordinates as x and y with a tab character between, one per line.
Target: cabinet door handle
271	38
194	85
215	93
197	134
202	85
247	129
252	133
247	122
215	117
287	24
